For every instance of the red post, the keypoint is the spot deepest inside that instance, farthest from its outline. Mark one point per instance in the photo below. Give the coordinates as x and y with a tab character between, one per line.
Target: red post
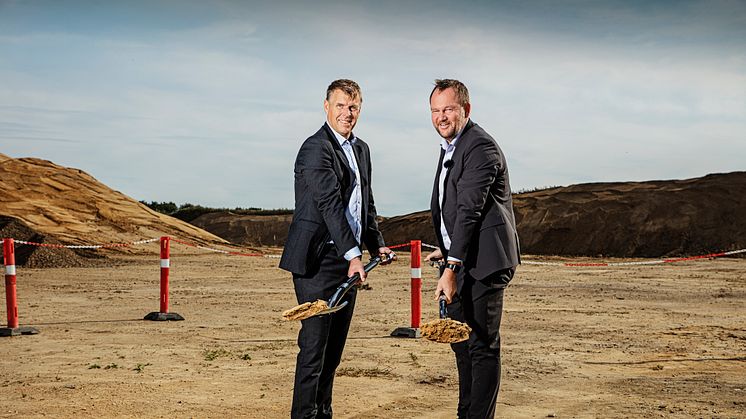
415	252
163	314
9	255
10	283
165	267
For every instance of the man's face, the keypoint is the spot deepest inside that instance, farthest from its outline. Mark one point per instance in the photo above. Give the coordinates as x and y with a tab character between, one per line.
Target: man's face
448	115
342	112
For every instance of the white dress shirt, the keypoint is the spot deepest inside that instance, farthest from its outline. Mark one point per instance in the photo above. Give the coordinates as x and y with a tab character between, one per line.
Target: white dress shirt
449	149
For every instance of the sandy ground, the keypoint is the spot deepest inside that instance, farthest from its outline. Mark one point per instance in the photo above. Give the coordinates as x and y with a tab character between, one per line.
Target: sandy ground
652	341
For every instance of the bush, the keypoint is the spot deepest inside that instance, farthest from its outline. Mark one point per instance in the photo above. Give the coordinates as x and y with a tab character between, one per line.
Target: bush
188	212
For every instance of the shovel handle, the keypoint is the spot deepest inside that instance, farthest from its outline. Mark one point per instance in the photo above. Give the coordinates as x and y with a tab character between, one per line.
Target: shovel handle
442	305
350	282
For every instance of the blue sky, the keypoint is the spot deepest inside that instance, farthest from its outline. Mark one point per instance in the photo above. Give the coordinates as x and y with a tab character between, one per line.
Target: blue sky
208	102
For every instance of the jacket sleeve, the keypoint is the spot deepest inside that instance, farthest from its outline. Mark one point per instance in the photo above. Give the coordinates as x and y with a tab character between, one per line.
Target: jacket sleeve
480	169
323	185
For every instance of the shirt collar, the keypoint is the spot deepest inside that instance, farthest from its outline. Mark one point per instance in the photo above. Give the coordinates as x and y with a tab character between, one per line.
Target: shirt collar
449	147
339	136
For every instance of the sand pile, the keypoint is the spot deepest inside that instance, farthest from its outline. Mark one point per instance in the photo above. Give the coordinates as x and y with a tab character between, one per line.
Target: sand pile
637	219
71	207
623	219
248	230
43	257
414	226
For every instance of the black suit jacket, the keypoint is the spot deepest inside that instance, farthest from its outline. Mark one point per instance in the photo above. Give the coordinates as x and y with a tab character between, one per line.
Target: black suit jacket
477	205
323	186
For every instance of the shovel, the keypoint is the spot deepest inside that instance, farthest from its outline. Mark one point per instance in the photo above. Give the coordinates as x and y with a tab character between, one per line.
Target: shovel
321	307
443	310
445	330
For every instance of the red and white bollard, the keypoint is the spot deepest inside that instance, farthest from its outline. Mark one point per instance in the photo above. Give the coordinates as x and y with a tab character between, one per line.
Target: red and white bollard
11	301
415	249
165	268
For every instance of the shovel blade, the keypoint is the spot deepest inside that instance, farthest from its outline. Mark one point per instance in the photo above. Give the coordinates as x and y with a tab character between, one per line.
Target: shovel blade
331	310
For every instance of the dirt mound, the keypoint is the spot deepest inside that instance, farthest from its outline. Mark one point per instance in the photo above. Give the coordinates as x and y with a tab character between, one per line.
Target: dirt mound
43	257
403	228
622	219
249	230
638	219
69	206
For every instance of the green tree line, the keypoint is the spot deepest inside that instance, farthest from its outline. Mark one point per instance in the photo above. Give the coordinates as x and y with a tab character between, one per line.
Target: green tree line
188	212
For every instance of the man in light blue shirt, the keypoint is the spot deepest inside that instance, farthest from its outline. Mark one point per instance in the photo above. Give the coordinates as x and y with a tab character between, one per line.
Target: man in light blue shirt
355	204
334	216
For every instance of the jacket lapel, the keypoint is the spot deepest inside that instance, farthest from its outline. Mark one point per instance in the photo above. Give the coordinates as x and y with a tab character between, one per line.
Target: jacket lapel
362	164
434	204
435	200
362	167
463	138
341	157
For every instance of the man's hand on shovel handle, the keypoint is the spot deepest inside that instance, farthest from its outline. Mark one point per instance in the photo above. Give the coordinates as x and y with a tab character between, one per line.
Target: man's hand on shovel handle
446	285
434	256
356	267
387	256
447	281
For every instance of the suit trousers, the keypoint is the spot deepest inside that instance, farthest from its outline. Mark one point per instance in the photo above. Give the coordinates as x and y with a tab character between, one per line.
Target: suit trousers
321	339
480	305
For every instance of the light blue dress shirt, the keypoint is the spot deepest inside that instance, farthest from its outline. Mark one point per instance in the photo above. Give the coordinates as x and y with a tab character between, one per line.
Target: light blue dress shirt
355	206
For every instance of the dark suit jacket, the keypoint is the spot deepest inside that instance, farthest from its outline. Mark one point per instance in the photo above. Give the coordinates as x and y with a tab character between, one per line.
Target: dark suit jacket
323	186
477	205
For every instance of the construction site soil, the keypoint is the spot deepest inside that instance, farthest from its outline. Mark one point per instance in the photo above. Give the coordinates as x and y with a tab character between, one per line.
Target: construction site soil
599	342
618	341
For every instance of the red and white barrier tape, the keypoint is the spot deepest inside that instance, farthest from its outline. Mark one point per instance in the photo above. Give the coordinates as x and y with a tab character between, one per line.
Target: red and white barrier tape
643	262
397	246
115	245
425	245
89	246
226	252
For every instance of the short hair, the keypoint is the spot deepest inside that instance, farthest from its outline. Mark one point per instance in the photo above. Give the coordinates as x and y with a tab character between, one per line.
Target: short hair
349	87
462	93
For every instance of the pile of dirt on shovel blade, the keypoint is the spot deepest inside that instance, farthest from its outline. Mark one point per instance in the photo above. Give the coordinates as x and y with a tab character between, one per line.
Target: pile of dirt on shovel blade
305	310
445	331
